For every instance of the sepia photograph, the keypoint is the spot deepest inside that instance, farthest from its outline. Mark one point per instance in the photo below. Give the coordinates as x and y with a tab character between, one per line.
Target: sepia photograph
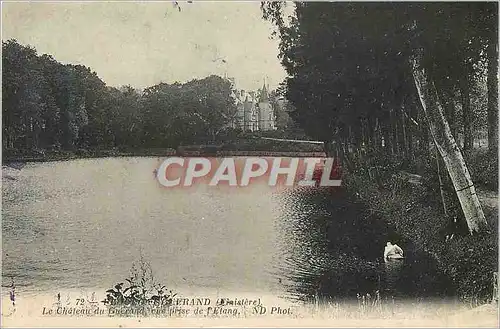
249	164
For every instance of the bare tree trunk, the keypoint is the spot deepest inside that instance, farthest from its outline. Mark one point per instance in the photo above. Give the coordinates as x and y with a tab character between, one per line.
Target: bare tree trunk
393	130
366	136
449	150
397	142
426	142
387	137
453	119
403	130
467	109
492	53
377	139
441	185
350	140
446	93
449	108
423	132
370	132
411	153
361	137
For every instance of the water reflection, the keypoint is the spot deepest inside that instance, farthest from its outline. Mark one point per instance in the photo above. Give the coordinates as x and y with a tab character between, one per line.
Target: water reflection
393	269
335	252
82	224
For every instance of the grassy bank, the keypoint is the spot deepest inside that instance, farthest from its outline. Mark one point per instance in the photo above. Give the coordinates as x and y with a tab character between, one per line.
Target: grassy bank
244	144
416	213
43	156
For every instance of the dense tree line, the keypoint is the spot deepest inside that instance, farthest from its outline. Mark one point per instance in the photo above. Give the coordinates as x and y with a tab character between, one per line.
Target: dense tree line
349	75
48	105
394	78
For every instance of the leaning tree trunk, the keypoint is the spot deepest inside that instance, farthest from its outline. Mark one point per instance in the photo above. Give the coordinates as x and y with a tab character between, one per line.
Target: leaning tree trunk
441	186
449	149
492	53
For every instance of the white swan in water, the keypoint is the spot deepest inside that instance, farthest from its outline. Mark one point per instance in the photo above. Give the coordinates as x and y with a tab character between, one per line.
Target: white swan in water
392	251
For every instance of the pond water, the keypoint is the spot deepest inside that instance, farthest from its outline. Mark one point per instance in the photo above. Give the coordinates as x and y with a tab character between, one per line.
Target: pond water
82	224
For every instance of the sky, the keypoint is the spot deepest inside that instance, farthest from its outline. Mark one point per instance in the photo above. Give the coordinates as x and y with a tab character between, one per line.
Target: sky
145	43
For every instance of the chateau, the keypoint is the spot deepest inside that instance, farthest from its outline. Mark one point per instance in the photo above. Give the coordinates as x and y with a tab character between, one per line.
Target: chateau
255	111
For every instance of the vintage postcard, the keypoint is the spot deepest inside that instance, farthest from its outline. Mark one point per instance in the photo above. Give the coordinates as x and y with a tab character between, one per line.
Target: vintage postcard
249	164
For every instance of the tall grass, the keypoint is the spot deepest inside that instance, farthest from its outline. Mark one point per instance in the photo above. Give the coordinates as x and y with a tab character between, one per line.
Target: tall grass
141	291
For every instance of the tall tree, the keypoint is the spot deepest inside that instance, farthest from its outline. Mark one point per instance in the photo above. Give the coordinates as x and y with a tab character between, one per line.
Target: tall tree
364	72
491	14
448	149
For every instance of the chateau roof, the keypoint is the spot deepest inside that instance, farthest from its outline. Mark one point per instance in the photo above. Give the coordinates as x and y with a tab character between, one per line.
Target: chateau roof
264	97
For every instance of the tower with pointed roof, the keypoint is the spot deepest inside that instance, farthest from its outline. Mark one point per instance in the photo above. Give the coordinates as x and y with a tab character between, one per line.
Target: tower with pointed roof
265	110
263	97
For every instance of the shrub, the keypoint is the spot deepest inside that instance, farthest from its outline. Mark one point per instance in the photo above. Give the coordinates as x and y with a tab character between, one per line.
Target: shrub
483	168
141	291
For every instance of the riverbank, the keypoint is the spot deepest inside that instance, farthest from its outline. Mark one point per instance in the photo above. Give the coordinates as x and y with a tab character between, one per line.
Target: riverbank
238	147
47	156
415	211
66	156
